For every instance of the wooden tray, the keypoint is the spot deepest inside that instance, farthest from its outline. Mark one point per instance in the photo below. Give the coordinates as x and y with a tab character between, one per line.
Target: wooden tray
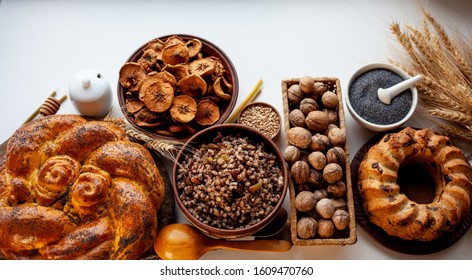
350	237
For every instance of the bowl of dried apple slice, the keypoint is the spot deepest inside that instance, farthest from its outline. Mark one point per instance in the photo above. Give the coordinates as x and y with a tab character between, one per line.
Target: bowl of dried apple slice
177	85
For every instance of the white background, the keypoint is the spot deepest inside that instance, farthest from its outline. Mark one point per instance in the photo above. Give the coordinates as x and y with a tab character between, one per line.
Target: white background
44	43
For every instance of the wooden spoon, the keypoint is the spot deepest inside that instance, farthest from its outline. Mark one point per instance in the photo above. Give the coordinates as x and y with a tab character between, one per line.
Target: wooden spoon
184	242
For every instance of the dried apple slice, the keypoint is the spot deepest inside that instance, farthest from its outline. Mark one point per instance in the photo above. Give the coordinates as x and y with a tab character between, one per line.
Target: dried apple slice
194	47
222	88
133	105
183	109
156	45
148	60
157	95
147	118
203	67
173	40
164	76
189	129
132	74
182	128
208	113
179	128
219	68
192	85
175	54
179	71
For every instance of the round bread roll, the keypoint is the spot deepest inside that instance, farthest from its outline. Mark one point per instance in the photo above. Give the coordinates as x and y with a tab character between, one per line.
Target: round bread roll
77	189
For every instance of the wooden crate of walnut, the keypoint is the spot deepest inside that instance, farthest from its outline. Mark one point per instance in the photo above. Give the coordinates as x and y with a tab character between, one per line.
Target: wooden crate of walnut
321	199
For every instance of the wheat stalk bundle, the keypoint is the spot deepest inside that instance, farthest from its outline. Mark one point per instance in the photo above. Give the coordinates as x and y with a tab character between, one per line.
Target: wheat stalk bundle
446	65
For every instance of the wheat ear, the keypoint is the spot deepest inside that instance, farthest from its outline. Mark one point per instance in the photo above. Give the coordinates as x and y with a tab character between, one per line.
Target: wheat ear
165	148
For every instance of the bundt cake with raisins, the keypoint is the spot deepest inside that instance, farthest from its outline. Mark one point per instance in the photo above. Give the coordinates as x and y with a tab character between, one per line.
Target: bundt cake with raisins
390	209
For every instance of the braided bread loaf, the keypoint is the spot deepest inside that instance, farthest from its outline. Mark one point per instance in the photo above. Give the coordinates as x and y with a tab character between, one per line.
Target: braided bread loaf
73	189
390	209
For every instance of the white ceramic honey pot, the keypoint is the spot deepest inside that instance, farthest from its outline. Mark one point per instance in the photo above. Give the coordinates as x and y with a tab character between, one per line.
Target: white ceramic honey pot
90	93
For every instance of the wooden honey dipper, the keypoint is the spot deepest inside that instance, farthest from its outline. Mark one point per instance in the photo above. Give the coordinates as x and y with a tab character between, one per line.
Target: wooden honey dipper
51	105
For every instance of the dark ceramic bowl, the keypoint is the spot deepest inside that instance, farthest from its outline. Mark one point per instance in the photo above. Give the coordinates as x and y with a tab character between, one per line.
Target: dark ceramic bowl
207	136
208	49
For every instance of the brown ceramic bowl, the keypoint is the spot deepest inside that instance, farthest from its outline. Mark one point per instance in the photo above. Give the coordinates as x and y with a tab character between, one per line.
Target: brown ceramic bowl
270	127
207	136
208	49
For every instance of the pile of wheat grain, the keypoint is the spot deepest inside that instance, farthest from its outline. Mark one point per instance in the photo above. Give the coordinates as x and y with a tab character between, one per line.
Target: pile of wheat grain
445	91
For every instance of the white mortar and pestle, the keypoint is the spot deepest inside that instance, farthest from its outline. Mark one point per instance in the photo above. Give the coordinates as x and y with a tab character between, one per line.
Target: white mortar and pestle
381	101
386	95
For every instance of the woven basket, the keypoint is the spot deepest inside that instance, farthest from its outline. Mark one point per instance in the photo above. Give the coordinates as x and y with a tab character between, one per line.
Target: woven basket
348	236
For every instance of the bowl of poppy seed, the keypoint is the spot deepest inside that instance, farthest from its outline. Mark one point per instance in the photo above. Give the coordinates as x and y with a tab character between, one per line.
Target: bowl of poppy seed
364	104
262	117
229	180
173	86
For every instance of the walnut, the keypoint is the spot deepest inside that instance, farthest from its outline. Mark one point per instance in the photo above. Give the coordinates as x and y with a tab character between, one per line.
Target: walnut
336	135
336	155
300	172
317	120
306	227
331	126
295	94
339	203
317	160
338	189
320	88
307	84
291	154
305	201
302	187
312	214
325	208
320	194
341	219
329	99
307	105
326	228
315	178
297	118
319	142
332	173
332	115
299	137
304	156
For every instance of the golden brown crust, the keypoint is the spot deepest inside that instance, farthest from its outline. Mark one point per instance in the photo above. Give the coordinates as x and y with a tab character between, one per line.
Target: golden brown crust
140	169
53	178
80	141
391	210
72	189
127	215
80	240
29	144
29	226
